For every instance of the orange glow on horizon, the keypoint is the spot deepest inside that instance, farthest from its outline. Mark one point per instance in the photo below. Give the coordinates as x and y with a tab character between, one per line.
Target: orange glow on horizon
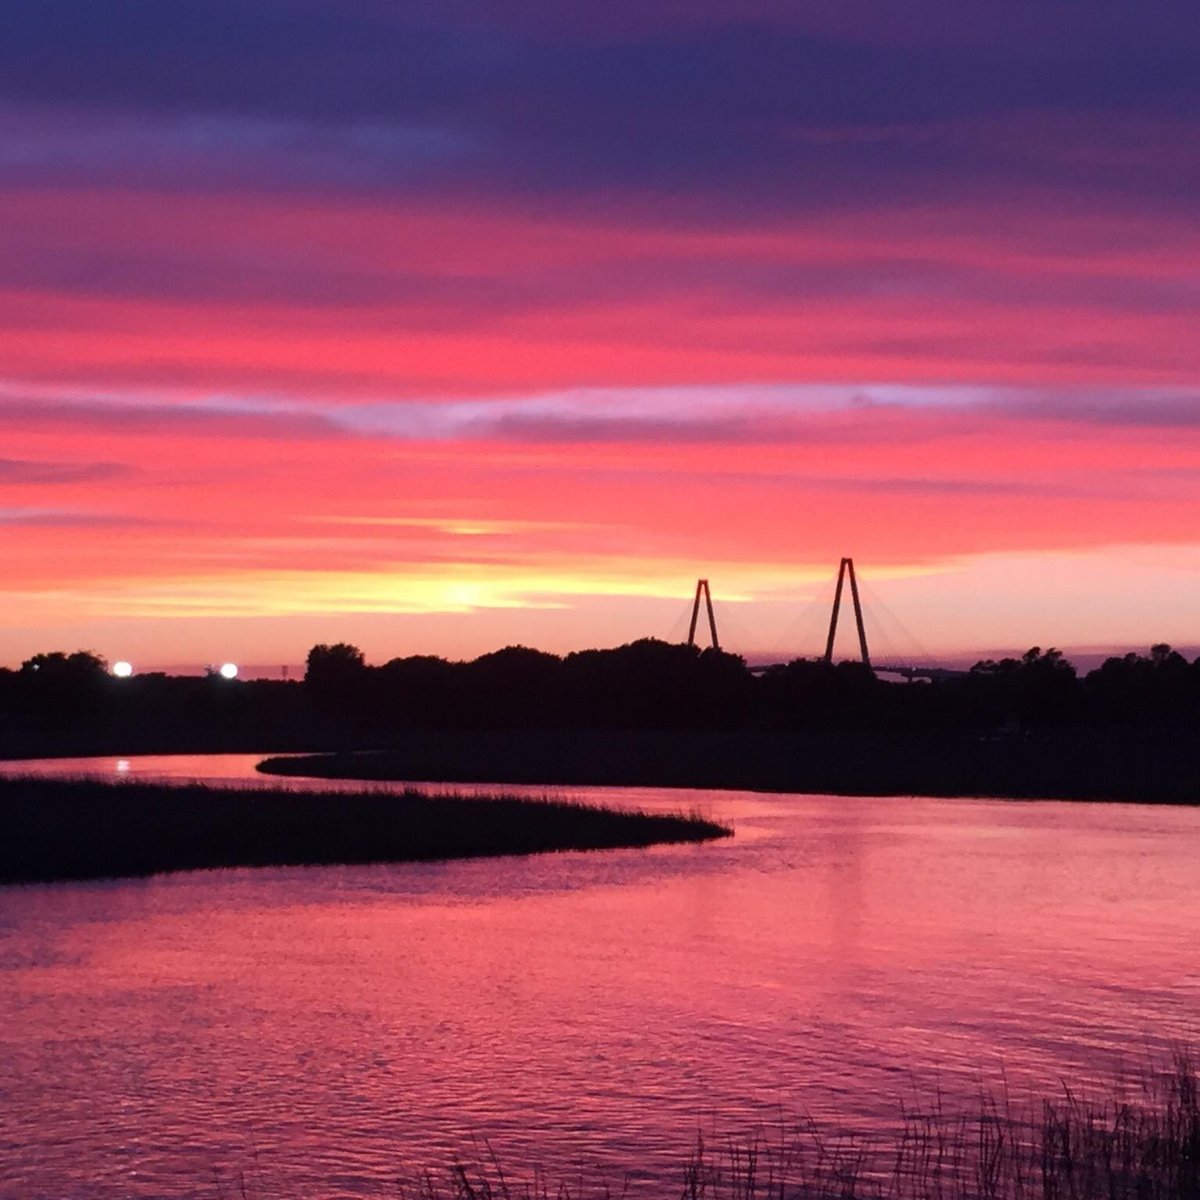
187	461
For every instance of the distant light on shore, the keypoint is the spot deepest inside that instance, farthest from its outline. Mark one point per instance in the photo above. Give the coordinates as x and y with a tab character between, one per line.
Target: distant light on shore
229	670
122	670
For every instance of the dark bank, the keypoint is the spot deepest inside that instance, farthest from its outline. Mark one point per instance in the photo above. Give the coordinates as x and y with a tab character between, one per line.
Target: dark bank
651	713
57	830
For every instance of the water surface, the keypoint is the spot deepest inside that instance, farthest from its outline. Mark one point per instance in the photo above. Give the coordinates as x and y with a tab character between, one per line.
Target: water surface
325	1030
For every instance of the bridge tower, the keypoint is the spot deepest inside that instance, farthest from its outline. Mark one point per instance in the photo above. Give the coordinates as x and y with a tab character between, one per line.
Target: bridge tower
845	568
702	588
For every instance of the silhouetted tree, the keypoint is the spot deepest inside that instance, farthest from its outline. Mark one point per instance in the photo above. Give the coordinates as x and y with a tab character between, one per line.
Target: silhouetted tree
78	667
1155	689
335	677
61	688
420	690
339	660
651	684
1038	689
809	693
515	687
59	700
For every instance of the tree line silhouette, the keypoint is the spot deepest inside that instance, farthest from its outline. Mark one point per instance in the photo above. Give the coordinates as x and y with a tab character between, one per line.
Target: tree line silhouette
644	685
650	684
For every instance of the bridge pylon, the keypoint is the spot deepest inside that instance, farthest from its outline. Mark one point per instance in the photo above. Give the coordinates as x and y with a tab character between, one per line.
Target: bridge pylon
702	589
845	568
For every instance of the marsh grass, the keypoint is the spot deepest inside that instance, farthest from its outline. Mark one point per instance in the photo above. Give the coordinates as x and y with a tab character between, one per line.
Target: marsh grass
78	829
1130	765
1139	1146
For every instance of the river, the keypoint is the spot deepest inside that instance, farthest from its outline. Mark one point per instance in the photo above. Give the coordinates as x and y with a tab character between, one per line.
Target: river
320	1032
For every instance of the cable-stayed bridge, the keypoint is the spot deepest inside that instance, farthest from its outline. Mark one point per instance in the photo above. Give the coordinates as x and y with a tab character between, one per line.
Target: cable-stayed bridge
908	662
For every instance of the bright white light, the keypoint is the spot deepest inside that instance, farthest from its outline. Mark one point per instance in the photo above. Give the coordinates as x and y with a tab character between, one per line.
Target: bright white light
229	670
122	670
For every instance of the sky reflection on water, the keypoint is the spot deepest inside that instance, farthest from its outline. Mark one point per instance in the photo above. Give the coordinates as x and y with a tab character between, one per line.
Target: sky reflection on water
330	1028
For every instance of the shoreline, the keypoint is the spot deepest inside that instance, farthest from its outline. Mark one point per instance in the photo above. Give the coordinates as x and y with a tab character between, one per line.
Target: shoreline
1134	767
71	830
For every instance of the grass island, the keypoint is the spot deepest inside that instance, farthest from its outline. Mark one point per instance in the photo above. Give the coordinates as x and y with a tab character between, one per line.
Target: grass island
79	829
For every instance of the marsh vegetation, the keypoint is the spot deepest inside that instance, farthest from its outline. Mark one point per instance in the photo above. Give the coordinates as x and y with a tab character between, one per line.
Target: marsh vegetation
53	829
1146	766
1139	1142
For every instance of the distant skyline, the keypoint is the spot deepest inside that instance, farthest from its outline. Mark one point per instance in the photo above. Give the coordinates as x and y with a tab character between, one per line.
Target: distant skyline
434	329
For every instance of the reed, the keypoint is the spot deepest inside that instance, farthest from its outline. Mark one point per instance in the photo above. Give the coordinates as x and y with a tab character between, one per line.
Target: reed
1139	1146
75	829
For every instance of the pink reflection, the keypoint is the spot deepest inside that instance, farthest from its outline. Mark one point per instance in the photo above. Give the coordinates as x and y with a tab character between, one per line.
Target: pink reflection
838	958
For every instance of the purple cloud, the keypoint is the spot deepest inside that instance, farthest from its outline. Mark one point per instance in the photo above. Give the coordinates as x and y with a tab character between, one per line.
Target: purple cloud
33	471
67	519
215	420
429	98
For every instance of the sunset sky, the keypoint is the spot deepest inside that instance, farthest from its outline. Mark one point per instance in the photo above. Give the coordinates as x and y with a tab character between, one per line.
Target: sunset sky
434	326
